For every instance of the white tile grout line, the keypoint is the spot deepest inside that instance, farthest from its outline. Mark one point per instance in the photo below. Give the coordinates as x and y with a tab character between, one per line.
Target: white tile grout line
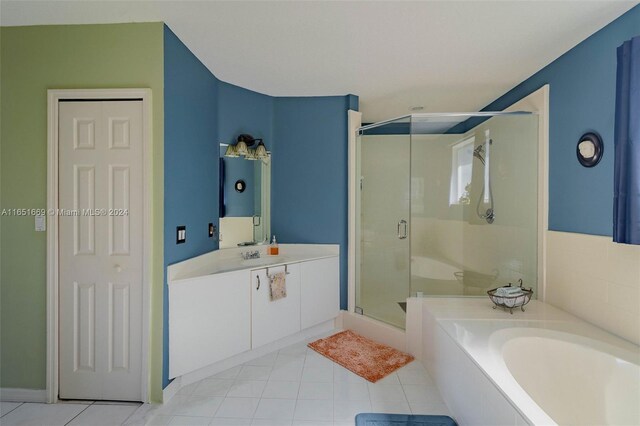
405	394
19	404
87	405
130	415
78	413
304	363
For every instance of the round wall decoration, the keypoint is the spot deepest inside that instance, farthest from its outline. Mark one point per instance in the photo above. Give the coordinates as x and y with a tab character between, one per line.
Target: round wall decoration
589	149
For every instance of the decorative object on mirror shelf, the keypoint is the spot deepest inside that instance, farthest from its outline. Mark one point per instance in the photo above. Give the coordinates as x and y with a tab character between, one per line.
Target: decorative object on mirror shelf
589	149
242	148
240	185
510	296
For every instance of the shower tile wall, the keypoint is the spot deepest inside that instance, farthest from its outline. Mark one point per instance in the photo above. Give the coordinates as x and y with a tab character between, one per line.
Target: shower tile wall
452	237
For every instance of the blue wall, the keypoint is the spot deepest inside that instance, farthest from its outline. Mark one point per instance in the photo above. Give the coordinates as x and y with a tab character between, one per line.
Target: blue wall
582	98
191	159
242	111
309	174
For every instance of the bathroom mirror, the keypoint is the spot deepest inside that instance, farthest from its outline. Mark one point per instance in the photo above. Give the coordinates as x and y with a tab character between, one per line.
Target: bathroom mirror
245	208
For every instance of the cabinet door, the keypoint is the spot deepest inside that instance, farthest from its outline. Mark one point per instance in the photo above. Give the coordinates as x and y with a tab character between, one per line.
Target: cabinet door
320	291
209	320
273	320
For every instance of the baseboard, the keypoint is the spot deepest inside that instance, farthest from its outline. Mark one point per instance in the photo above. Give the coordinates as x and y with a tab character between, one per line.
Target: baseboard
23	395
339	321
375	330
172	389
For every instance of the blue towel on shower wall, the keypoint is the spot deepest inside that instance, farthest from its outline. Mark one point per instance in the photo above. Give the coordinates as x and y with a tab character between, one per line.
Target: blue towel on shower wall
373	419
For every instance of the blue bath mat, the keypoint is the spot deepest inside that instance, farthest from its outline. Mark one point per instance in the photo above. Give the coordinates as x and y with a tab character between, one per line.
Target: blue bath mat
373	419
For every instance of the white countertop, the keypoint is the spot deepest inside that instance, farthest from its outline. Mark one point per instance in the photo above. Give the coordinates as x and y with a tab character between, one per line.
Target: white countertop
230	260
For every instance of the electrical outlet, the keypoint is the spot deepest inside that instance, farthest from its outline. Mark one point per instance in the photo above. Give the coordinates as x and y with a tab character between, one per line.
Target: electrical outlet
181	234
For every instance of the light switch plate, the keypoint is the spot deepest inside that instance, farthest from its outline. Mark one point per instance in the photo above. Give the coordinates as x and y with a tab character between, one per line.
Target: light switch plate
41	223
181	234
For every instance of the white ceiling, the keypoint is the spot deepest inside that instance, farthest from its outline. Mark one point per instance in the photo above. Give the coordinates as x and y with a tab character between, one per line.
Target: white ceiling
443	55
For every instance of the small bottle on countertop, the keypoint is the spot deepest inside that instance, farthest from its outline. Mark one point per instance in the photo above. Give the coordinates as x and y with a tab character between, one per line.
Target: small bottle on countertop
273	248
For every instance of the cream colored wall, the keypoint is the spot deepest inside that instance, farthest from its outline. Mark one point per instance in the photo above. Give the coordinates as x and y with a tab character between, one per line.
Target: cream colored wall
595	279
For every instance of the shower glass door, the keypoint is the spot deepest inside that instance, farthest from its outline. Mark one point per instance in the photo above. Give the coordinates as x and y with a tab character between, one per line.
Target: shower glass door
383	270
447	205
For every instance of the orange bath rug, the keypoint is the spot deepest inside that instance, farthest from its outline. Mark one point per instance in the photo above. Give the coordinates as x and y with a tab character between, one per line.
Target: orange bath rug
366	358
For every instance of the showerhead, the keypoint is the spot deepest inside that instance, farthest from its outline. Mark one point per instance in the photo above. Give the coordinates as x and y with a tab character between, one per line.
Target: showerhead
477	152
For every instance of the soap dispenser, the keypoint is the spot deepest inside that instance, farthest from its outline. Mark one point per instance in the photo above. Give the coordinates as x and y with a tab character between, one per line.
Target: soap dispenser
273	248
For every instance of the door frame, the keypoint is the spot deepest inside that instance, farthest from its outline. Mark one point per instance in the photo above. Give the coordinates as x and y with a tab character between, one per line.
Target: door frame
54	96
354	123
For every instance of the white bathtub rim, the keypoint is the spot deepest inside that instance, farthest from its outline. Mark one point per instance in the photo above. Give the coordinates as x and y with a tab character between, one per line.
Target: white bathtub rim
531	409
627	369
494	368
496	372
500	337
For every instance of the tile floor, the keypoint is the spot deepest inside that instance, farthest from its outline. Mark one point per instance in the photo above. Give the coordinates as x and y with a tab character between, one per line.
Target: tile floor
77	413
293	386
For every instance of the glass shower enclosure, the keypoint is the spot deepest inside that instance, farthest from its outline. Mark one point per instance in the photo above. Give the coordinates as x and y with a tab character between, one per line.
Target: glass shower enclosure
446	205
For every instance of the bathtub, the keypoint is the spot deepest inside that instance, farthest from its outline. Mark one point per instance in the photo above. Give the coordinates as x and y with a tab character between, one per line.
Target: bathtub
603	380
544	367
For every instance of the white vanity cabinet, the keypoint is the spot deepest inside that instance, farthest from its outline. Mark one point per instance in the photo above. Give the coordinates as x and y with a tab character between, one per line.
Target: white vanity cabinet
209	320
219	304
273	320
320	291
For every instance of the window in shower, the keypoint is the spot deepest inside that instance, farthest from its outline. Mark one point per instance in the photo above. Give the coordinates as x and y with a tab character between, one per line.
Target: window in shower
461	170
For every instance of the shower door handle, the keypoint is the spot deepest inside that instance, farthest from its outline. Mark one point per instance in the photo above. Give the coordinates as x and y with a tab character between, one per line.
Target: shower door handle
402	223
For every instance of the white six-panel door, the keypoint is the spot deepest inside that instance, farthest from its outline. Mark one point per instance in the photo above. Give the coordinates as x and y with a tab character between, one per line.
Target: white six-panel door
100	246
